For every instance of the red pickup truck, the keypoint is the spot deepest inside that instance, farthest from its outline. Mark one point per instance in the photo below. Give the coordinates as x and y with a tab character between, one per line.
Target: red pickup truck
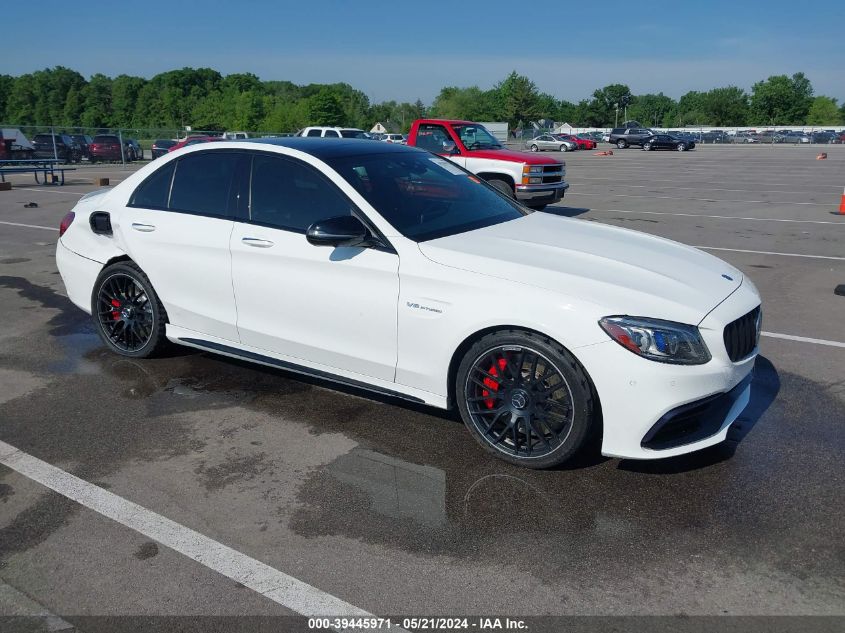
535	180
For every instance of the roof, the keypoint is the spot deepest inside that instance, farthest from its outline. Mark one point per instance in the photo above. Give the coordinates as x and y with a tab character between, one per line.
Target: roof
323	148
451	121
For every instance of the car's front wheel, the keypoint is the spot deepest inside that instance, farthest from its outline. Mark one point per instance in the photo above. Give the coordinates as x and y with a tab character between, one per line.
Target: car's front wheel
564	148
682	147
127	312
525	398
621	144
647	147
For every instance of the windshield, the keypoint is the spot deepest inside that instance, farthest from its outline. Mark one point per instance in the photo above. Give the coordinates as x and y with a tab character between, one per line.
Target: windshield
423	196
476	137
352	134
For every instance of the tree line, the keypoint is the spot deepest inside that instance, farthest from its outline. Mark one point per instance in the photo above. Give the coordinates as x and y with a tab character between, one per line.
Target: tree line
206	100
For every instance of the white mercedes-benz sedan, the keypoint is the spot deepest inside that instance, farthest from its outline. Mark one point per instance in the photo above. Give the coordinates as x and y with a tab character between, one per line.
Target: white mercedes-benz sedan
393	270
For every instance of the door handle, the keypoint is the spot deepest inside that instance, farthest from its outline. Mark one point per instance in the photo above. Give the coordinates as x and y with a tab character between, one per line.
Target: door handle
144	228
257	243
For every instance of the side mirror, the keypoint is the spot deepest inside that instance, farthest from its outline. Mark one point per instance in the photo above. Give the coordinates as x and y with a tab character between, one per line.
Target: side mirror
346	230
450	148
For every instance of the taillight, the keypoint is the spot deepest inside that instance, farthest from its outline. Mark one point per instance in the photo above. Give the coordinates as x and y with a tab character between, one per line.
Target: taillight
66	222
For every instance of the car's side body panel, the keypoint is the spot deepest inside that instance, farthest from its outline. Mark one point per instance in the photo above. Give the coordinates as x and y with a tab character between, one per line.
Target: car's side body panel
334	306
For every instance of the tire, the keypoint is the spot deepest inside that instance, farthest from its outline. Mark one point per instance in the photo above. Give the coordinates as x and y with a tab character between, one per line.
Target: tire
647	147
682	147
502	186
530	380
127	312
564	148
621	144
534	148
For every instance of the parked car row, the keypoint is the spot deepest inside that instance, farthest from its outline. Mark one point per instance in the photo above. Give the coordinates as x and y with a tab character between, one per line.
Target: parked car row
560	142
73	148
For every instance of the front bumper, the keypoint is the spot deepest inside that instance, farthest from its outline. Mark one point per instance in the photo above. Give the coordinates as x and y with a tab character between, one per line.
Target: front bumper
639	397
542	193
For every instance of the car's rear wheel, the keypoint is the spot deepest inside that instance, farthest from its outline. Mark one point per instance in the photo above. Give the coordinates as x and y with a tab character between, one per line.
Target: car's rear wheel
525	398
502	186
534	148
129	315
621	144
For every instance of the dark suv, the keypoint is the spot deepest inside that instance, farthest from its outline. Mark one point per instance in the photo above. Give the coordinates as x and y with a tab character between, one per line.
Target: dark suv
60	146
624	137
83	140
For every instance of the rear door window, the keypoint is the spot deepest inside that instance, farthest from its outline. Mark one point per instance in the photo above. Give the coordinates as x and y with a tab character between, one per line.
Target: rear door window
204	184
155	190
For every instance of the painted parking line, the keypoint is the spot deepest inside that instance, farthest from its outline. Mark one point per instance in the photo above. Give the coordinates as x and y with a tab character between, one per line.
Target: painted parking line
803	339
30	226
271	583
616	183
721	217
742	250
627	195
73	193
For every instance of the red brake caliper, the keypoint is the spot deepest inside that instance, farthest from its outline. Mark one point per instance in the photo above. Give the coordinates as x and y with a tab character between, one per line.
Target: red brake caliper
115	314
492	384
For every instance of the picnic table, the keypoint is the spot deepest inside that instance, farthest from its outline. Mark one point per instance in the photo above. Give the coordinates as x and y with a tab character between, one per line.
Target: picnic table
46	167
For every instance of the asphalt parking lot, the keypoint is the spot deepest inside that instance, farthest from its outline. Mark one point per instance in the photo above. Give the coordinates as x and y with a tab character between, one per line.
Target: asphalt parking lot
393	508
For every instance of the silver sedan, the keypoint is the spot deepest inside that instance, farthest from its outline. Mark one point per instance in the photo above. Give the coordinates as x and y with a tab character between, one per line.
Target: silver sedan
549	142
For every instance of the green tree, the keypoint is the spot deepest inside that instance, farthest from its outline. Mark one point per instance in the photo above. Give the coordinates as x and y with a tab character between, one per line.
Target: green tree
781	100
470	103
124	99
726	106
96	108
6	84
602	109
519	99
824	111
325	108
650	109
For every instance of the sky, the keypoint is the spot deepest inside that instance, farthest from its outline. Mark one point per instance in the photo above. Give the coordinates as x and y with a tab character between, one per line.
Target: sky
409	50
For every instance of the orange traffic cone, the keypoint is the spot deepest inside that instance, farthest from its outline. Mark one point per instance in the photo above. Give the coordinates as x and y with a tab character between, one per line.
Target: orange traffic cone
842	204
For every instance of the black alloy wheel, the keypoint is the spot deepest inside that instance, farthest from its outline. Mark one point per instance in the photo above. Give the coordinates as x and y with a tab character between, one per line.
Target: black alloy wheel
129	315
529	404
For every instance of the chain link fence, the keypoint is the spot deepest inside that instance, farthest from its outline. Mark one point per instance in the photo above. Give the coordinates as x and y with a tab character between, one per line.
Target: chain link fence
71	145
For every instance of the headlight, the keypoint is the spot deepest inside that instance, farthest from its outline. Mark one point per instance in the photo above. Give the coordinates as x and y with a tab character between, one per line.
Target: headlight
654	339
532	169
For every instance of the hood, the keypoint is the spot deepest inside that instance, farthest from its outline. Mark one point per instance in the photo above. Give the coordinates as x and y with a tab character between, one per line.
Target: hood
620	271
530	158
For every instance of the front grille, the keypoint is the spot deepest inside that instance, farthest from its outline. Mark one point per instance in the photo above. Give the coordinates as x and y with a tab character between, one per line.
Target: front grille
553	174
741	335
